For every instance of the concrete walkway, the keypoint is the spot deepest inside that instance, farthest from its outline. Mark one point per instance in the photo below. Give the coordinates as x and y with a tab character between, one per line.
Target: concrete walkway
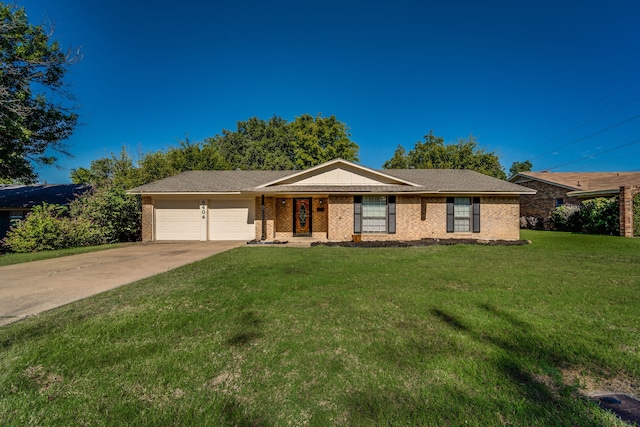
31	288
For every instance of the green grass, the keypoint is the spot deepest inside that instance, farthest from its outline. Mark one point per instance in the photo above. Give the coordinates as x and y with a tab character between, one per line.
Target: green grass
271	336
16	258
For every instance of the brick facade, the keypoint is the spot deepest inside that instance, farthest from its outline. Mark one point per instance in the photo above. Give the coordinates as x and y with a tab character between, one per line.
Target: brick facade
543	202
417	217
625	203
147	219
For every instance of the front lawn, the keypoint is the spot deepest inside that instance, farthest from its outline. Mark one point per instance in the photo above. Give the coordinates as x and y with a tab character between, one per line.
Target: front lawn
270	336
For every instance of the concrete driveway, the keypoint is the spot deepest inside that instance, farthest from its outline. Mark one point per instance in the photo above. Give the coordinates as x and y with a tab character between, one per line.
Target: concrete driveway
30	288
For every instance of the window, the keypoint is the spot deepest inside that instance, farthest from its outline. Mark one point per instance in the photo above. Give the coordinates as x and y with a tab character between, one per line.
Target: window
463	214
559	202
374	214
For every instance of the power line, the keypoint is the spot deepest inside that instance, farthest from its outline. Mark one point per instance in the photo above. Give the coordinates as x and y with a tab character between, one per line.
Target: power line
601	152
589	122
593	103
613	160
594	134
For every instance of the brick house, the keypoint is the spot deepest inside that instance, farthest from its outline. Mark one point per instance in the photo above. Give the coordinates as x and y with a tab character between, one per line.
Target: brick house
554	189
332	201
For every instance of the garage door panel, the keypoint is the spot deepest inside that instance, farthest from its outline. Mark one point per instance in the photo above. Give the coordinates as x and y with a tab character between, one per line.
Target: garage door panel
177	220
231	219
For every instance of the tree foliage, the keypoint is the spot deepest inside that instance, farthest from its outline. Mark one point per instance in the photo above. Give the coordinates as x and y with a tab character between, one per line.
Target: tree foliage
33	119
433	153
517	167
276	144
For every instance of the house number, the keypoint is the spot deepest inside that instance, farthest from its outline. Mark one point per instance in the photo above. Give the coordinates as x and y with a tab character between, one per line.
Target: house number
203	207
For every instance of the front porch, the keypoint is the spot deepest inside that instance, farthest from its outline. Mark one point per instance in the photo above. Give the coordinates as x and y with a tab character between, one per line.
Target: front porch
295	218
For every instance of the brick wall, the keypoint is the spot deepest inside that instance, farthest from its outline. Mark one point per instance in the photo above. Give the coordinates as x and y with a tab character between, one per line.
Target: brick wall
541	204
147	219
499	218
626	209
426	217
340	220
269	213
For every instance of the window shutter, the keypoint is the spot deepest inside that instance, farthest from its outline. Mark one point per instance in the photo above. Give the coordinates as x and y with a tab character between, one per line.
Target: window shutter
449	214
476	214
391	214
357	214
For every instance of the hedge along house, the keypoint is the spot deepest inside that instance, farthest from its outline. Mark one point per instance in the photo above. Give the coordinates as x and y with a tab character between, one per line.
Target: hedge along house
332	201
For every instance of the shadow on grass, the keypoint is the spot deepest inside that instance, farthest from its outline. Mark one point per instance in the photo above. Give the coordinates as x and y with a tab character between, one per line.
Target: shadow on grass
531	365
233	413
249	329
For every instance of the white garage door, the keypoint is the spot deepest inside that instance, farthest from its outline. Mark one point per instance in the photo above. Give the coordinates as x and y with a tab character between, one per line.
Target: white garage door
232	219
178	220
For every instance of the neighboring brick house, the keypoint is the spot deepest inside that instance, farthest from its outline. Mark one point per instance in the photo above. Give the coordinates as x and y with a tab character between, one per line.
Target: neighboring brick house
554	189
332	201
17	200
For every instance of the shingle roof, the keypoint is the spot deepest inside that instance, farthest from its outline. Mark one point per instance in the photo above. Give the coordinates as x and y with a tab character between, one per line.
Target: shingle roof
426	180
456	180
582	181
28	196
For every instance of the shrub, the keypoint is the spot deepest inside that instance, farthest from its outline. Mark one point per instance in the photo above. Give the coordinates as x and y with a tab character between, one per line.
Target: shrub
566	218
636	215
600	216
46	227
116	215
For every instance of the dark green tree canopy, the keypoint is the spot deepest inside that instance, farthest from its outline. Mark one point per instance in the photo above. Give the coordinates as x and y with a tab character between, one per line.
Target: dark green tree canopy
33	119
276	144
433	153
517	167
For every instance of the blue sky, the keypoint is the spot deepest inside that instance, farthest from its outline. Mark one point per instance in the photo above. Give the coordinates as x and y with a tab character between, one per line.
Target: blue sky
553	82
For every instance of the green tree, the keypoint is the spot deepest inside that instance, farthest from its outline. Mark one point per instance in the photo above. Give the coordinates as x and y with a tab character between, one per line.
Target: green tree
399	160
33	118
256	144
280	145
517	167
433	153
321	139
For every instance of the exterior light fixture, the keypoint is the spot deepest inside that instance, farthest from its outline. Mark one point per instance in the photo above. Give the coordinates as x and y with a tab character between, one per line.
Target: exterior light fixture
321	201
284	202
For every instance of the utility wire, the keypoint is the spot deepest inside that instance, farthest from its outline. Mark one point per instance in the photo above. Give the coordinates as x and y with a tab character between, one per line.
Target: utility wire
597	154
589	122
593	134
613	160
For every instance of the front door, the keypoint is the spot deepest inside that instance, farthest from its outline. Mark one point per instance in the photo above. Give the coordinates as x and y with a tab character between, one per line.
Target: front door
302	217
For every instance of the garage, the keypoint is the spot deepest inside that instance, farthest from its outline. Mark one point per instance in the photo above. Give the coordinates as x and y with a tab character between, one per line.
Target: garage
177	220
232	219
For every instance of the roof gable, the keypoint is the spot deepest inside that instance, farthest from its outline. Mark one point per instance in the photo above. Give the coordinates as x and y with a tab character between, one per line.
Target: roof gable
339	172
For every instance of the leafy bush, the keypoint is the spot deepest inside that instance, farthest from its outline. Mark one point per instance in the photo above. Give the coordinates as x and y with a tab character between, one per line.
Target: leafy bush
636	215
600	216
46	227
106	215
566	218
114	213
596	216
